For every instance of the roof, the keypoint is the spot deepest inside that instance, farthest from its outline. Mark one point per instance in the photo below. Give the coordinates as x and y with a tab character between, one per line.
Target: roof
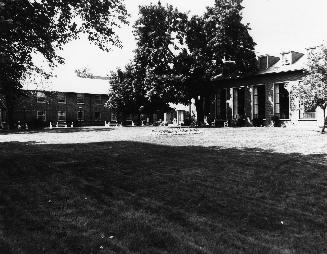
279	67
72	83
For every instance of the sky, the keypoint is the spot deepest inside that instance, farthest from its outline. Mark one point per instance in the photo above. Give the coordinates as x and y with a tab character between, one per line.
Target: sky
276	26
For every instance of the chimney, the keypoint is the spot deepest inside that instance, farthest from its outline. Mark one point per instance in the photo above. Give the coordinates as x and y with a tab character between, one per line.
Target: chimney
290	57
266	61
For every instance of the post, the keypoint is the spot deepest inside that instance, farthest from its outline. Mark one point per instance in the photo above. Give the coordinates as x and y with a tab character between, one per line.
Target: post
324	122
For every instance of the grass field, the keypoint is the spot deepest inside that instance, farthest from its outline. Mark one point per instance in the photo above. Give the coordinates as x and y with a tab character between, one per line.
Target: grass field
147	190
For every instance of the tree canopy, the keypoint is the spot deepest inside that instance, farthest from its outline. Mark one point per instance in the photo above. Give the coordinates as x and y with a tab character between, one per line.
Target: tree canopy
180	57
44	26
159	33
312	91
219	47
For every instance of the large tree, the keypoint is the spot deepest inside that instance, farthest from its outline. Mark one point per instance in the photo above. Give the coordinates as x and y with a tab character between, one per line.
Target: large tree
148	83
181	58
125	96
160	35
219	47
312	91
44	26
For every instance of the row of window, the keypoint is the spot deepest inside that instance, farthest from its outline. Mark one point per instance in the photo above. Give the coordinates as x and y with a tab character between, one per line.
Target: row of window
61	98
61	115
281	103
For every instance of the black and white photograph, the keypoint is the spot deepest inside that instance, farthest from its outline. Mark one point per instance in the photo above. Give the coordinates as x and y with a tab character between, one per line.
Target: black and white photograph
163	126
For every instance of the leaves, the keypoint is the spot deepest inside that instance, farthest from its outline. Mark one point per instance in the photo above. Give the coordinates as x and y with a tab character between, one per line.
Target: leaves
179	57
44	26
312	91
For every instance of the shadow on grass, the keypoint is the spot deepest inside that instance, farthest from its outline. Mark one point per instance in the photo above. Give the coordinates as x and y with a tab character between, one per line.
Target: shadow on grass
129	197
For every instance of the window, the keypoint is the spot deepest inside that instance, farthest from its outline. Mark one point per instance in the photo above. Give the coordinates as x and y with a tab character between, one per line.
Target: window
80	98
306	113
235	103
97	99
40	97
62	116
221	104
97	116
80	115
41	115
259	101
113	117
281	99
238	102
61	98
287	58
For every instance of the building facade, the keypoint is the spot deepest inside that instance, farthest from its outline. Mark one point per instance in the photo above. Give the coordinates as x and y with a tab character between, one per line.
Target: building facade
266	97
66	101
62	108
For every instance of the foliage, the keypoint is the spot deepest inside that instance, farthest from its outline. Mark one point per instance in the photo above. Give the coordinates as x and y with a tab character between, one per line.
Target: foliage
44	26
148	83
159	33
220	47
126	94
179	58
312	91
84	73
276	121
258	122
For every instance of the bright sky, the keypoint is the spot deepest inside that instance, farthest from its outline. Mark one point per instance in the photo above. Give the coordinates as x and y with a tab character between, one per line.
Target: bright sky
277	25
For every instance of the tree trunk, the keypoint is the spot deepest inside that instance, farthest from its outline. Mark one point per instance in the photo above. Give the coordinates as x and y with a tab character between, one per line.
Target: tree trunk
323	125
199	111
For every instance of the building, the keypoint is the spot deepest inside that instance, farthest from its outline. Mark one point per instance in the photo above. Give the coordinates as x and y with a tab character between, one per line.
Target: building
266	96
75	102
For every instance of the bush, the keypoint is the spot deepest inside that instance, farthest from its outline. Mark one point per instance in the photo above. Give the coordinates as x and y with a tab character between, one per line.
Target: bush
187	122
276	121
240	122
37	124
258	122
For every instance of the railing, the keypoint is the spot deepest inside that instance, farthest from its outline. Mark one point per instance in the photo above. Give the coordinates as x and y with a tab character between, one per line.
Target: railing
308	115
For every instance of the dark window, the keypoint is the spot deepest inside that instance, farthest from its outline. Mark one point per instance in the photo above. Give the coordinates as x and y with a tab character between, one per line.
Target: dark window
221	104
80	115
281	98
80	98
41	115
97	116
114	117
61	98
98	99
61	116
238	102
40	97
259	101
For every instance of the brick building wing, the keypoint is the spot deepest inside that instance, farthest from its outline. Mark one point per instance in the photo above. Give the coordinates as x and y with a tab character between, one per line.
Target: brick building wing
70	101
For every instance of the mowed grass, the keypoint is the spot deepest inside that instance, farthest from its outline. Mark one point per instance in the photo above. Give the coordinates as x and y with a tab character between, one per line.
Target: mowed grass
162	196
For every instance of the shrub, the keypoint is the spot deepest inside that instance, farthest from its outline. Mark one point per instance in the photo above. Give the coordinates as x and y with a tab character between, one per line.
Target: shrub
276	121
258	122
187	122
38	124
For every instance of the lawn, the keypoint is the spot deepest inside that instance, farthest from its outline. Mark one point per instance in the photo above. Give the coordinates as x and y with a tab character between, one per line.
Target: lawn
148	190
